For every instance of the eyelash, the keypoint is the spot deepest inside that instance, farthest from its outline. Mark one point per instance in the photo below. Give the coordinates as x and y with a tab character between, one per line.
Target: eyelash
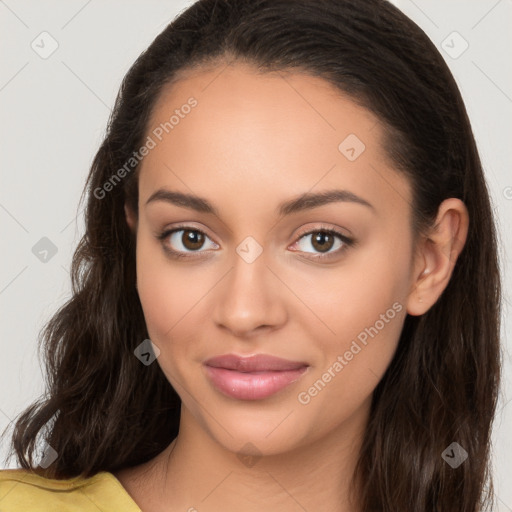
347	242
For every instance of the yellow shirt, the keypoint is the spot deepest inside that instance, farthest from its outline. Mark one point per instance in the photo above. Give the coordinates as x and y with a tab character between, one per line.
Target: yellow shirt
24	491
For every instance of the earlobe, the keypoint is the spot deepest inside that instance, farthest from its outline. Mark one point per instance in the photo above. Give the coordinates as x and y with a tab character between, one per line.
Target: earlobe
437	256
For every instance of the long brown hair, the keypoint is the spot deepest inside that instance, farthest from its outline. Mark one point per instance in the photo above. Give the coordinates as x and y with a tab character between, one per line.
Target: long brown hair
104	411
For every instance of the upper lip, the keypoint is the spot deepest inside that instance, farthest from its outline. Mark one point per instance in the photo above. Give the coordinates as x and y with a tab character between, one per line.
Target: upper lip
254	363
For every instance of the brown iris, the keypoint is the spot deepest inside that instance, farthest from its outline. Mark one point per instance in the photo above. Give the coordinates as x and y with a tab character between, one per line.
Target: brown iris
192	240
322	241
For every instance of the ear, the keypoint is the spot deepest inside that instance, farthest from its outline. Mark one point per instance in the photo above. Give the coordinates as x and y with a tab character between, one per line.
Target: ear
437	254
131	218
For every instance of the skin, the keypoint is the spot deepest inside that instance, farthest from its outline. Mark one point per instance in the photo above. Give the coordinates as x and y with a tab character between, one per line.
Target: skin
253	141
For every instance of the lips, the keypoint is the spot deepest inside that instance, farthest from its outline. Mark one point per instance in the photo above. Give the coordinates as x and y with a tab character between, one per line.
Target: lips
256	363
254	377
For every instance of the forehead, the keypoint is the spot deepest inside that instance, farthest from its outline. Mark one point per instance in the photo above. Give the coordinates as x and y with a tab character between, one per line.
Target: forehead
265	136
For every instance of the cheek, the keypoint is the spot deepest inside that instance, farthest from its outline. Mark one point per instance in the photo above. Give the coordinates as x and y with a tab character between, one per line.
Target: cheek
353	296
351	366
363	304
176	301
168	306
167	293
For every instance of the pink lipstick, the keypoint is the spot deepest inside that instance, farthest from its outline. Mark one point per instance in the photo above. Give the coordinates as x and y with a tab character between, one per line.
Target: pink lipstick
254	377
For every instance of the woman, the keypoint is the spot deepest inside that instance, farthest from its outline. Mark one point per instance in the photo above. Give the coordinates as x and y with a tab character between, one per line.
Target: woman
287	296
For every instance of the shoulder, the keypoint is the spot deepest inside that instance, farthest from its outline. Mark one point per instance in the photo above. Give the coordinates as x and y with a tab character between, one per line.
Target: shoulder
23	490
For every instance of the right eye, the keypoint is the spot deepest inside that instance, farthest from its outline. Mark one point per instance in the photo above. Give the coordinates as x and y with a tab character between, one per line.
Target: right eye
186	240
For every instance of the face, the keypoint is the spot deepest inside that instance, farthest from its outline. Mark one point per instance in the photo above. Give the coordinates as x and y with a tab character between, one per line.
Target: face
260	271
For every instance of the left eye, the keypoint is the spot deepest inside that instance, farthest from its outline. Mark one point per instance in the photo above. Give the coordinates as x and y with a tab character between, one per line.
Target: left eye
190	240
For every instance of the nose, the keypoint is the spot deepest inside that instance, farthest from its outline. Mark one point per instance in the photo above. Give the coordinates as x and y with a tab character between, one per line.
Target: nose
250	299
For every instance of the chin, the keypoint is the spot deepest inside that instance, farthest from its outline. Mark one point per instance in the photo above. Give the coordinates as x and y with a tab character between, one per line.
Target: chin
259	433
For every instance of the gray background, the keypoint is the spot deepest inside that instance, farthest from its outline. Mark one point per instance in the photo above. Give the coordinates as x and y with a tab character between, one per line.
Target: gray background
54	112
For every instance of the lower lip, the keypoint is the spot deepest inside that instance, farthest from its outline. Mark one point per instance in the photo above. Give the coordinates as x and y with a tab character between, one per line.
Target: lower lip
252	385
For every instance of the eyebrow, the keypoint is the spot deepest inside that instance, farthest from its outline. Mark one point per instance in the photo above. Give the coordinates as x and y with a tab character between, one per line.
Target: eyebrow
306	201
